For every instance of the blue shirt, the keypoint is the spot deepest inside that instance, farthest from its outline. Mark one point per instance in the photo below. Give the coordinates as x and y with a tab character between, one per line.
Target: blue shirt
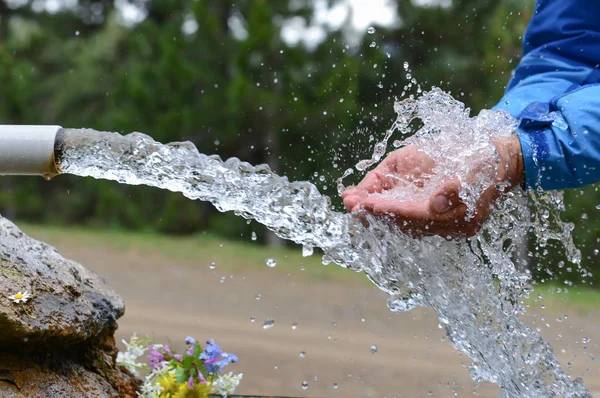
555	94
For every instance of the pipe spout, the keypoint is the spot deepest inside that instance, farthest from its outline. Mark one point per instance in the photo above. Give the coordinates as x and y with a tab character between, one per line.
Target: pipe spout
28	150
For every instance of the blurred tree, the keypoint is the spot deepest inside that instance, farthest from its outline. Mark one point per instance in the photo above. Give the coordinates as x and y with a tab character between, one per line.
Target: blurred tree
219	73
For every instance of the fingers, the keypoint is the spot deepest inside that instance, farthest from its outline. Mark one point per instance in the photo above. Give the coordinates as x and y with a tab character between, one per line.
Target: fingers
374	182
446	197
413	211
352	201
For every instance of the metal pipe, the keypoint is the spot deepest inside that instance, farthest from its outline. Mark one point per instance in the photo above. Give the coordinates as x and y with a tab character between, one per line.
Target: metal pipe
28	150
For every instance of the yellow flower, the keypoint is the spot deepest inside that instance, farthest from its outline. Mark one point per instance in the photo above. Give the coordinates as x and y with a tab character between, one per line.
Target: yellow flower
199	391
168	384
171	389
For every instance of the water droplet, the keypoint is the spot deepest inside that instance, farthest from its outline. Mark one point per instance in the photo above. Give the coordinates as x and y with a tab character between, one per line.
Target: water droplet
302	354
335	386
371	30
253	236
76	33
405	65
373	349
307	251
252	319
305	385
271	262
213	265
373	44
294	325
268	324
276	367
258	296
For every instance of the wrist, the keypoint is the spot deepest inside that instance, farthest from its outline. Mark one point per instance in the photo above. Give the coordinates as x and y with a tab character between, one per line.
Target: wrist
510	165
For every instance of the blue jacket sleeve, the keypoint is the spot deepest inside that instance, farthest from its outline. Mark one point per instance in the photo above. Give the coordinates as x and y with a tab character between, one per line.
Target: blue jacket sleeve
555	93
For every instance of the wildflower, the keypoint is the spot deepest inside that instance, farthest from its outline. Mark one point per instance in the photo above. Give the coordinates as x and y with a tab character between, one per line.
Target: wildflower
226	385
135	346
211	356
168	384
156	360
20	297
226	360
196	391
211	352
177	357
128	358
214	359
151	387
190	340
201	378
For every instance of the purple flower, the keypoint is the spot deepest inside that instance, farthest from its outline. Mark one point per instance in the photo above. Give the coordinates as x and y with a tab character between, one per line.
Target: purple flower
201	377
214	359
174	356
155	358
190	340
226	360
191	382
212	350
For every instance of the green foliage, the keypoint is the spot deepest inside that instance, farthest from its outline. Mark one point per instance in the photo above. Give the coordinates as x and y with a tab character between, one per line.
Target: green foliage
190	365
229	83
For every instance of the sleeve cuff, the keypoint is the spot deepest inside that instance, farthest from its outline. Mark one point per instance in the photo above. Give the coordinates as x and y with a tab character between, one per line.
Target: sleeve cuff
532	178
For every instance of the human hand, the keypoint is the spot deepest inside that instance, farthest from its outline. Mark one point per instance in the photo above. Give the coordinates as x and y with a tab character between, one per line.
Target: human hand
431	210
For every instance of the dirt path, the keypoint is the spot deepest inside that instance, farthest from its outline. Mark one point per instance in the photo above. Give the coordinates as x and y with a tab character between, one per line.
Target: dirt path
336	325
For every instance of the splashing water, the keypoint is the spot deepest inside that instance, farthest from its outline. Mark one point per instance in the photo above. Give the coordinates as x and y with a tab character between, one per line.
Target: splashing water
472	285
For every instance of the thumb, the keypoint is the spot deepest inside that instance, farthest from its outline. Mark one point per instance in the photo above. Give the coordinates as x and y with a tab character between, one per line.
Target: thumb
445	197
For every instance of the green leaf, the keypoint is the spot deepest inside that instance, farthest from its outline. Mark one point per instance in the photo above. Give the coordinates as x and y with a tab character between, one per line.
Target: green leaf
197	350
188	361
181	375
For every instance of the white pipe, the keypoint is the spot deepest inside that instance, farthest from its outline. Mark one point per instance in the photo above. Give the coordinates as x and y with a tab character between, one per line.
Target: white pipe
28	150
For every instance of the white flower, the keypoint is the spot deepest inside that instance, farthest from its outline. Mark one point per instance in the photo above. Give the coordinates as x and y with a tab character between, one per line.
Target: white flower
225	385
151	387
127	359
20	297
135	346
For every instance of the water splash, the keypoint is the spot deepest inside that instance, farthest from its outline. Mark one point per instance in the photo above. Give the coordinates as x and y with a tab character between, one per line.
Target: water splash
472	285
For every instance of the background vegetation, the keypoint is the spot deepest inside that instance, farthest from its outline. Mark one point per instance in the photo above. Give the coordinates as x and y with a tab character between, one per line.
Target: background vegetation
220	74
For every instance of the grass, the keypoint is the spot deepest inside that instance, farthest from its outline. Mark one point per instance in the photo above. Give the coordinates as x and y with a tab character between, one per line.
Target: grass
236	256
581	298
202	249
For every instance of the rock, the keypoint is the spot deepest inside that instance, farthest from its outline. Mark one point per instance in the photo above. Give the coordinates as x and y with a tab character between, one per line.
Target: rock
70	303
60	343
